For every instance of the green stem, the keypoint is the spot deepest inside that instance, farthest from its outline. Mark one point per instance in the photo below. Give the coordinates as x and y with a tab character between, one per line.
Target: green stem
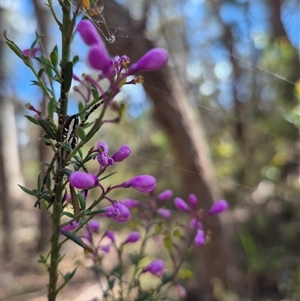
58	188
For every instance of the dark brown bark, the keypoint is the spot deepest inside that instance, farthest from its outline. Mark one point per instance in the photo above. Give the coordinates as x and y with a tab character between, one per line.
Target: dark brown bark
185	131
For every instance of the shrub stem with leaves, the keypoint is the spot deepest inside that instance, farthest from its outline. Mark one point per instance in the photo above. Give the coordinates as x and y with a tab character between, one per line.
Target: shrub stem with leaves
68	180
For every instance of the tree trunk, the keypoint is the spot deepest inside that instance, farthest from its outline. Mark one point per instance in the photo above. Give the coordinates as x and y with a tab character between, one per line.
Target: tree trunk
183	126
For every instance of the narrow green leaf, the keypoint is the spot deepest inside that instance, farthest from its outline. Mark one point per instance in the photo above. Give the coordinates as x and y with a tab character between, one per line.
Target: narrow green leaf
54	56
44	62
39	182
35	41
68	73
77	240
80	154
168	242
74	202
40	73
45	163
81	200
67	171
32	119
111	283
80	132
95	92
36	83
92	133
75	59
95	212
49	72
51	108
68	276
109	175
15	49
69	214
47	127
66	146
80	109
48	182
28	191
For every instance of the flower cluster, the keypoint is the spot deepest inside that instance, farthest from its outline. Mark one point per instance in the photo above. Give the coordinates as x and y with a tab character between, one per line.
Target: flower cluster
115	70
197	217
85	181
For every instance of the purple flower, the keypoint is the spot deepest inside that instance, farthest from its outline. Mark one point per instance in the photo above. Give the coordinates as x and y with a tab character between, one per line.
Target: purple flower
200	238
105	248
130	203
142	183
193	200
218	207
70	226
156	267
163	196
88	32
93	226
132	237
151	61
165	213
195	224
99	59
31	53
82	180
118	211
181	204
103	158
110	234
98	56
120	155
103	147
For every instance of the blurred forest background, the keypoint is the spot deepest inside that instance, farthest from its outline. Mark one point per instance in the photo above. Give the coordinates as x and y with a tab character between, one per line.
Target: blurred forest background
221	121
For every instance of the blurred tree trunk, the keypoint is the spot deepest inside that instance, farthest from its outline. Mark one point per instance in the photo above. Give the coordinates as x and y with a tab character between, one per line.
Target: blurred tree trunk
279	35
287	88
185	131
229	42
42	14
10	170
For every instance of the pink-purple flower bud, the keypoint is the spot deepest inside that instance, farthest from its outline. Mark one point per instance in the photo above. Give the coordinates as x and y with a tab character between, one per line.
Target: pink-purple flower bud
120	155
93	226
218	207
31	53
193	200
70	226
180	204
153	60
105	248
119	212
165	195
130	203
103	147
88	32
156	267
200	238
132	237
195	224
110	234
165	213
99	59
82	180
142	183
